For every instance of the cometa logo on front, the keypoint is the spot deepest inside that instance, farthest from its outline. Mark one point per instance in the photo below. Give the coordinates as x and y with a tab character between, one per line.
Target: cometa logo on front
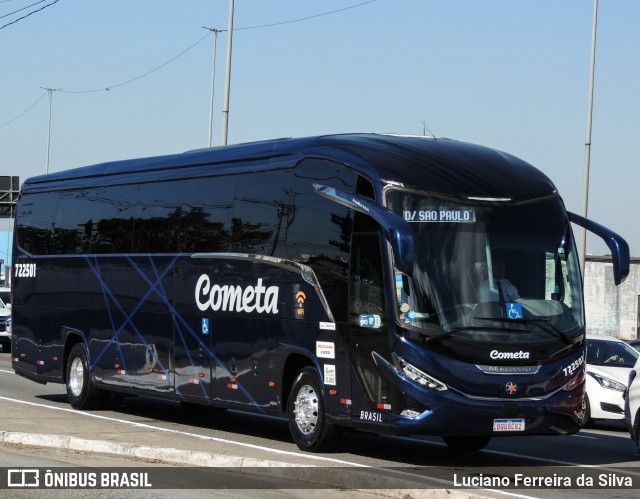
256	298
496	355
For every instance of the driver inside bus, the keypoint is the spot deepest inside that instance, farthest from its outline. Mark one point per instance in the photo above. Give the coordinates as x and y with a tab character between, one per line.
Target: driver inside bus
502	290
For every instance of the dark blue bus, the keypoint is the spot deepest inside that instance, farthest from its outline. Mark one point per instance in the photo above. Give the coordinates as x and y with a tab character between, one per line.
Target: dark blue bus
403	285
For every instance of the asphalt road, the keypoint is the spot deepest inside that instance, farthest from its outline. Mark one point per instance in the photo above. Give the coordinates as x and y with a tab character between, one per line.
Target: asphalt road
159	432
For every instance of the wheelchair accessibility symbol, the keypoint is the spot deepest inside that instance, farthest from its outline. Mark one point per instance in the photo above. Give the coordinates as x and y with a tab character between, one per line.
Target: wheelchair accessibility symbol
514	310
205	326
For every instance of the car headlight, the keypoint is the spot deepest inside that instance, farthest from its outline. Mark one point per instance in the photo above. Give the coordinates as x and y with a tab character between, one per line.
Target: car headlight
415	374
609	383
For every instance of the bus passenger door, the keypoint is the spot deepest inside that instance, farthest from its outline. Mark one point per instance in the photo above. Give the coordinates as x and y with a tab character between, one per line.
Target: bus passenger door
371	393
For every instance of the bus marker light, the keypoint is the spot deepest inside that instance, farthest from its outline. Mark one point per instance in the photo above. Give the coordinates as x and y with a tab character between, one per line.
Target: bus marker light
272	384
333	392
386	407
345	401
232	386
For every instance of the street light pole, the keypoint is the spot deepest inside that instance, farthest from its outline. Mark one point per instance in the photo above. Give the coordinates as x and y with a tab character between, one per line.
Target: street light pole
50	90
225	108
587	152
215	32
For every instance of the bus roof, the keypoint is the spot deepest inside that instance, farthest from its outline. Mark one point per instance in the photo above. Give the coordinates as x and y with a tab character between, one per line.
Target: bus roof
443	166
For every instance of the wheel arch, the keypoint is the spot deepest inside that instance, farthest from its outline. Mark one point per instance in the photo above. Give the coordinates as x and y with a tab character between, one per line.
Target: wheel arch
72	338
293	365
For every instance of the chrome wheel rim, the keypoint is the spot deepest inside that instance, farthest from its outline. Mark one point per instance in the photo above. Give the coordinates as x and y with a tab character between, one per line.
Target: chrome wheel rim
305	409
76	377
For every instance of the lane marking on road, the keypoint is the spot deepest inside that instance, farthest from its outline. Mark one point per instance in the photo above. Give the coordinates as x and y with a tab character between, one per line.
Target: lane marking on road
543	459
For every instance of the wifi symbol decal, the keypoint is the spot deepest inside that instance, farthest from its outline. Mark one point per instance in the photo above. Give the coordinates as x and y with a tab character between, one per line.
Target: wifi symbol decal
300	298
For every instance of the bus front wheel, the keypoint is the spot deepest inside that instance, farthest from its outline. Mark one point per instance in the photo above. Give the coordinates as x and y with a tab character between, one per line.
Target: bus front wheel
82	393
307	419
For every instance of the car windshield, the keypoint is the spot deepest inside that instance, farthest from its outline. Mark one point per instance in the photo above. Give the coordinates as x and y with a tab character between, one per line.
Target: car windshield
489	270
610	354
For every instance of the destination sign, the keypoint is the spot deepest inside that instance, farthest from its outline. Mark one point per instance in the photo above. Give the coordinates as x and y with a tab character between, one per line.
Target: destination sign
456	215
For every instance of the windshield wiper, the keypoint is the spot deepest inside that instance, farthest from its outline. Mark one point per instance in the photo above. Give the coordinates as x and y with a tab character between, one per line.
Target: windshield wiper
451	332
550	327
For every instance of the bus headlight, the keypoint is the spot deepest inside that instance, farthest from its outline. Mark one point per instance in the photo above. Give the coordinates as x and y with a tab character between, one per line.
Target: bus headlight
415	374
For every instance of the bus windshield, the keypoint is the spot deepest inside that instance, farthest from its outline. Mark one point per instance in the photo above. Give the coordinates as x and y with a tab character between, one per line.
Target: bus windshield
491	271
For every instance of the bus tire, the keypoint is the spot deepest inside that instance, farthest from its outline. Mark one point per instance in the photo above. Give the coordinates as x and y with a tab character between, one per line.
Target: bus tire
82	393
307	419
466	443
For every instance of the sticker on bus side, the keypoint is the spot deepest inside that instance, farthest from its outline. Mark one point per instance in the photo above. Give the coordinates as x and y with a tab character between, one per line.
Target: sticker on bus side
329	374
325	350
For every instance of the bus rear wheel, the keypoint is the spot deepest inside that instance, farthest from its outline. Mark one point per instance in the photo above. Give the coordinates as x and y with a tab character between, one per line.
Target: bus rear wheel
82	393
466	443
307	419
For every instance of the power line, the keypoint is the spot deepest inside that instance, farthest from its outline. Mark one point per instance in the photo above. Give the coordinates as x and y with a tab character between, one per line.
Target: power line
24	112
29	14
107	88
23	8
306	18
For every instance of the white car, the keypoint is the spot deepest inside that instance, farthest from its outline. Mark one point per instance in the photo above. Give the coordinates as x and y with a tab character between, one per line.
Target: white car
609	361
632	404
5	295
5	327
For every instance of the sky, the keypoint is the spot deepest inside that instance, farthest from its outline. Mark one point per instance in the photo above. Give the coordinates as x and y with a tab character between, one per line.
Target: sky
133	79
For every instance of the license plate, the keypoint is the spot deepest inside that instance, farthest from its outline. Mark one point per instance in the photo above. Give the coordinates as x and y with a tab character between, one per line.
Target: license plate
508	425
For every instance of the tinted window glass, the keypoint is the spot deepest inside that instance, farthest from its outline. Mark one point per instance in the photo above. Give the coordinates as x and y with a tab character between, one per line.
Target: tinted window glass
157	223
113	216
264	209
36	221
73	226
207	209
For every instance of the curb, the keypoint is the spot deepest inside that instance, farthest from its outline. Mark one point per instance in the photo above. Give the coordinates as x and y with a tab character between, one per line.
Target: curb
338	477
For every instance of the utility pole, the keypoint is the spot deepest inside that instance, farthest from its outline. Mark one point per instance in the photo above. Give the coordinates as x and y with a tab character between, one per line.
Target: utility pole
582	250
225	108
50	90
215	32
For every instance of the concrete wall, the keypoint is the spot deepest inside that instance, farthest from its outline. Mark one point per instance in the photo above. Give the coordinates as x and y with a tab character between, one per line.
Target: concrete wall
611	310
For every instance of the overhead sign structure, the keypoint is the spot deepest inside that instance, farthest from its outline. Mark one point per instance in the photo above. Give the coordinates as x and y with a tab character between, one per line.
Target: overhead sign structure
9	188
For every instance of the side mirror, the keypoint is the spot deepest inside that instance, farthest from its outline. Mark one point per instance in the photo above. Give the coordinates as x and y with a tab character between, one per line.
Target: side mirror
617	245
396	230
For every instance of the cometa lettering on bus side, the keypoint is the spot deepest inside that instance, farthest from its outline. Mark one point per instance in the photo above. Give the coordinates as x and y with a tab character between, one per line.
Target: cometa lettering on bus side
236	299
